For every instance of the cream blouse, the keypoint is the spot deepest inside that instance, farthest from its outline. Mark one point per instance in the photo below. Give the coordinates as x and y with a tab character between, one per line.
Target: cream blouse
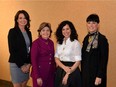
68	51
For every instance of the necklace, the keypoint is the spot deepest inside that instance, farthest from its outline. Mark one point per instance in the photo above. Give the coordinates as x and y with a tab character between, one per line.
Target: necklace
64	47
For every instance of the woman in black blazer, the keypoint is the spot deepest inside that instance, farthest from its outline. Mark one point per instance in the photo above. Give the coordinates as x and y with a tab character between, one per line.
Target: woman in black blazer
19	42
94	55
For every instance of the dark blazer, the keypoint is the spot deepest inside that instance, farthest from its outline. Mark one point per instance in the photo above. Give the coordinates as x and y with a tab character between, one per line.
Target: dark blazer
94	63
17	47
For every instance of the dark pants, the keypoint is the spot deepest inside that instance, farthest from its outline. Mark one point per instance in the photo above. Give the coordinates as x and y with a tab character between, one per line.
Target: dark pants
74	79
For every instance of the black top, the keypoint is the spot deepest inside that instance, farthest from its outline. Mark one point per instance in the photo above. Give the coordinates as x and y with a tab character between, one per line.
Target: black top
94	63
17	47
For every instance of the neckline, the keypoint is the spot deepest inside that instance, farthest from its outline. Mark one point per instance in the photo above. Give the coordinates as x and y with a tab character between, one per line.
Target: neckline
46	41
92	34
65	41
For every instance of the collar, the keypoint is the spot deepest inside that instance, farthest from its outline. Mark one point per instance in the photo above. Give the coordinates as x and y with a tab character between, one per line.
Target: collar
67	41
92	34
45	40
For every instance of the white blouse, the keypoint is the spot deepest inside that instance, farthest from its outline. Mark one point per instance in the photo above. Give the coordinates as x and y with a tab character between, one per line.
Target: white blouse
68	51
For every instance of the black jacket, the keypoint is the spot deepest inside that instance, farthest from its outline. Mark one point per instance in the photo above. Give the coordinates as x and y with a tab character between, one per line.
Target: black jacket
94	63
17	47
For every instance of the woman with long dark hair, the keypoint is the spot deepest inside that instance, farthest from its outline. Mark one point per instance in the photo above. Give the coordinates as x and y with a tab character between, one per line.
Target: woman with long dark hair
67	56
19	42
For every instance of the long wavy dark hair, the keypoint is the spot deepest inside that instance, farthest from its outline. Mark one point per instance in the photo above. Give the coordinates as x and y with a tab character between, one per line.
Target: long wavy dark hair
27	27
59	35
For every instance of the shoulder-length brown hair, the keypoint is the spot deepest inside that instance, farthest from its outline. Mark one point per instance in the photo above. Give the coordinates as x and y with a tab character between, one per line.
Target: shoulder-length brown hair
42	25
26	16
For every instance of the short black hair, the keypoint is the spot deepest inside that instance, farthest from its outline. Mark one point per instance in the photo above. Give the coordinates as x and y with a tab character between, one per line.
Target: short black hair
93	17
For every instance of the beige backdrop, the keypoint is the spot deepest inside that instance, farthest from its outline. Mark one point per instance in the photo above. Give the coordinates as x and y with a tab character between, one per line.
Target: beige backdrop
55	11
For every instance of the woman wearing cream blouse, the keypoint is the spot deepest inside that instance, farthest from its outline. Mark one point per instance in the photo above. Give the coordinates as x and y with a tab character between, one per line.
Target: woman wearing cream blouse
67	56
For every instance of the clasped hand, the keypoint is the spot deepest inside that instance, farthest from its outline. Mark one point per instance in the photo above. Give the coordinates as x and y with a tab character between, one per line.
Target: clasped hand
65	78
25	68
67	69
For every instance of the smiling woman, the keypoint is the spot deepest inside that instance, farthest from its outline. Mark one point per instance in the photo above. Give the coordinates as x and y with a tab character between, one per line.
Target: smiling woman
19	42
95	53
42	58
22	21
67	56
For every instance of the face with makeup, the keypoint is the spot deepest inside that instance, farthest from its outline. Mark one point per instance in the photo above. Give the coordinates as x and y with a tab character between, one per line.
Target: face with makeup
45	33
66	31
22	21
92	26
